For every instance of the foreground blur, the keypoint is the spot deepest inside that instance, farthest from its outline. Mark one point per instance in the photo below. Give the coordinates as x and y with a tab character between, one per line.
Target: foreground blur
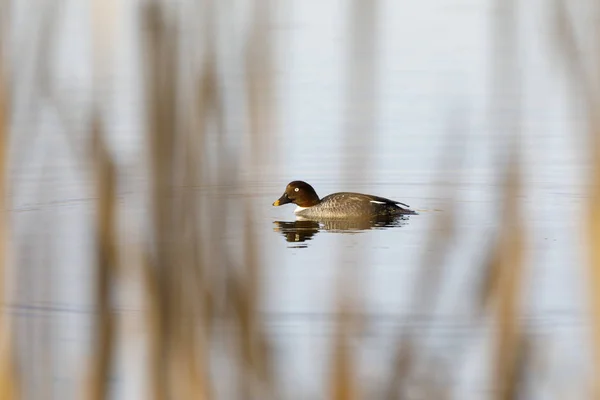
143	143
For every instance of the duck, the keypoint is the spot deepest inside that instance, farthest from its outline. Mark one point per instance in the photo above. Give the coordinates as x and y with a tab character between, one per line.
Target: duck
342	205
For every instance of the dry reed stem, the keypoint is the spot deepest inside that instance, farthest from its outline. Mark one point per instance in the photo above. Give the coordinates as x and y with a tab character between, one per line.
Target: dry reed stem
360	107
106	259
258	83
361	80
585	84
209	109
178	324
431	272
103	17
159	53
192	333
257	374
440	240
8	376
344	384
507	266
196	325
510	266
401	368
593	235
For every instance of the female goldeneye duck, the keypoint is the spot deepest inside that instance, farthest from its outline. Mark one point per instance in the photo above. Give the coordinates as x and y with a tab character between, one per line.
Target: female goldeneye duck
338	205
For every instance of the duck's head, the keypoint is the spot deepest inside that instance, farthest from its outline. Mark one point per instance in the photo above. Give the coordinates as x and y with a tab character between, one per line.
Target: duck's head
300	193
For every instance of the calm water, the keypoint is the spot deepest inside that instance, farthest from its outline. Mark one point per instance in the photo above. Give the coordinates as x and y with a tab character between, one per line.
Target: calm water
433	68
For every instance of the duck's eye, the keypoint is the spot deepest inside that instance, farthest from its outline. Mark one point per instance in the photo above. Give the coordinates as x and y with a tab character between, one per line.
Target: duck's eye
297	190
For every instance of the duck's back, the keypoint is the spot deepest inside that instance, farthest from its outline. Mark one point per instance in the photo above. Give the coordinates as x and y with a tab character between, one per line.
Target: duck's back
354	205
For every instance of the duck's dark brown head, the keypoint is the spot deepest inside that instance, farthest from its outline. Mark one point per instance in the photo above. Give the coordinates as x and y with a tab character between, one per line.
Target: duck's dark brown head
300	193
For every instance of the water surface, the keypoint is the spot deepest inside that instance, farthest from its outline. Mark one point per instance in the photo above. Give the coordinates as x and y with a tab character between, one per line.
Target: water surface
433	69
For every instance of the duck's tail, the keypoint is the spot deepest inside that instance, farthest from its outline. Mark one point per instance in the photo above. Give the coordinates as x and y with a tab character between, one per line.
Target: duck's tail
404	209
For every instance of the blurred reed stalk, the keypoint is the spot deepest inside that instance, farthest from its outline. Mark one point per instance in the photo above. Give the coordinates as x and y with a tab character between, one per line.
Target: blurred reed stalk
174	370
359	121
8	376
593	244
106	265
258	375
407	361
182	277
506	267
507	270
105	178
585	79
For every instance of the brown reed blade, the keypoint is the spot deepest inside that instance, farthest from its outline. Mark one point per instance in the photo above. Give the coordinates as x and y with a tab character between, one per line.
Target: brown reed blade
258	376
507	261
585	84
430	278
8	376
593	245
345	386
359	117
106	259
509	288
179	279
401	368
159	51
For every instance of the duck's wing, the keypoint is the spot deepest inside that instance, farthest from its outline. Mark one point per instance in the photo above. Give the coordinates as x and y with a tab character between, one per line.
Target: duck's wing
357	202
393	206
383	200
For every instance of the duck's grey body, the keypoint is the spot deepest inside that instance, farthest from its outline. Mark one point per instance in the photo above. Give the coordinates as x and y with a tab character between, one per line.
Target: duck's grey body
353	205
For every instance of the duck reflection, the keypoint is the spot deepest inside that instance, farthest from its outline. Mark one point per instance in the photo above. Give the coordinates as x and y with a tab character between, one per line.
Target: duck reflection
297	231
303	230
